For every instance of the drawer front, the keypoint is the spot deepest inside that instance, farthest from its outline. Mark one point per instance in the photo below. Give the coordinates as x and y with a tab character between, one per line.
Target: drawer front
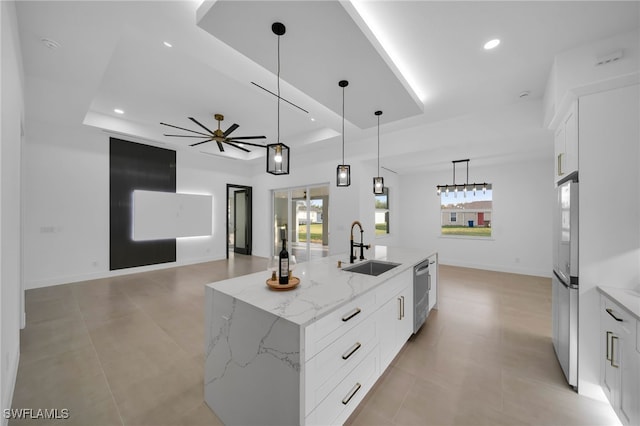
325	370
346	396
328	329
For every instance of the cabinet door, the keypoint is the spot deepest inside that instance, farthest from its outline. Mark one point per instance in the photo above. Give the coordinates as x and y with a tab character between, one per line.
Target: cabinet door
559	145
404	327
387	317
395	320
629	397
571	139
609	369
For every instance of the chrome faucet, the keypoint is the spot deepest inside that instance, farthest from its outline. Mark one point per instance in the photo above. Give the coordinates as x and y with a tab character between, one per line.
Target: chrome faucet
353	245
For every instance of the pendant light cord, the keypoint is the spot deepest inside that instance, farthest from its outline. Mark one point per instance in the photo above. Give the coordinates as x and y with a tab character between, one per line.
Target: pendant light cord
343	125
378	145
278	89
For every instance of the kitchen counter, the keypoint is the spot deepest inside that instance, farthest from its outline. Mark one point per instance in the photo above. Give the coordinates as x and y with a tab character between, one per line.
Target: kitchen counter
627	298
323	286
269	354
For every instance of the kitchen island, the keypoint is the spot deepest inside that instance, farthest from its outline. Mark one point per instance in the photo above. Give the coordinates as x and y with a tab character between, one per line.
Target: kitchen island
310	354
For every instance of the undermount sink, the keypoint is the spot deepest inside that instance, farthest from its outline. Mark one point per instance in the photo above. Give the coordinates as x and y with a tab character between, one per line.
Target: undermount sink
371	267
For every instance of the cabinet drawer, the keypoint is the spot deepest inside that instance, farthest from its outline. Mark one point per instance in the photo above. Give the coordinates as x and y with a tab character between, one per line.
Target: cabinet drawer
328	329
346	396
325	370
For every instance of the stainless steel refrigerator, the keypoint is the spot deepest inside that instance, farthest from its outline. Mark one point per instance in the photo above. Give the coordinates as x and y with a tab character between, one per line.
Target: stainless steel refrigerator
564	301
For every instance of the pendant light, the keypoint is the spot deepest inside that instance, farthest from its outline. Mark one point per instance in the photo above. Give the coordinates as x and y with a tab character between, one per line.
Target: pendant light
465	187
378	181
343	174
278	153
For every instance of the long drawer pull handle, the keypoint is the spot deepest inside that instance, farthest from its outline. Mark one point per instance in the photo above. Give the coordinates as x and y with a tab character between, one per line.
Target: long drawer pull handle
610	312
351	351
351	314
609	333
351	393
399	309
402	297
612	355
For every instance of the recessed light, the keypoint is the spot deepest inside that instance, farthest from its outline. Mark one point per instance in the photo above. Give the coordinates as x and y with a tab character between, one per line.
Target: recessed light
491	44
313	119
51	44
166	43
118	111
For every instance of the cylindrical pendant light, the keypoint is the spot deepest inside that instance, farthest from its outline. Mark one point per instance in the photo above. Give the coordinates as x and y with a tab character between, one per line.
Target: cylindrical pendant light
343	172
378	181
278	153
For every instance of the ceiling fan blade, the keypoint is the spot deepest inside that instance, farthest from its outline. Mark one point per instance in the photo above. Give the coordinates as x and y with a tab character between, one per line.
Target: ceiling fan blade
199	143
246	143
188	136
182	128
230	129
246	137
200	124
238	147
220	146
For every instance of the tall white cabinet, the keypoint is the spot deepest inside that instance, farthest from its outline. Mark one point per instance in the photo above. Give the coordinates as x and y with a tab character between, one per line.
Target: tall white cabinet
566	143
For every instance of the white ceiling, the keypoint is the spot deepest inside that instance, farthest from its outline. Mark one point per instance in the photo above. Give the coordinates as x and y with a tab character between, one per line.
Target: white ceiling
422	62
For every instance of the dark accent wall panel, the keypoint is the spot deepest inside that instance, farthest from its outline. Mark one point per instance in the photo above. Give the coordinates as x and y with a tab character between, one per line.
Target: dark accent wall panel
137	166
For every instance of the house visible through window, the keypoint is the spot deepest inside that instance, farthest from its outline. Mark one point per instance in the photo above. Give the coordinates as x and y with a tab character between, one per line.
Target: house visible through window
382	213
467	213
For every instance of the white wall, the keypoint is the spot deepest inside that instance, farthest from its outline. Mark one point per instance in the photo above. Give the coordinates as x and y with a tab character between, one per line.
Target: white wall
609	142
521	219
66	190
11	113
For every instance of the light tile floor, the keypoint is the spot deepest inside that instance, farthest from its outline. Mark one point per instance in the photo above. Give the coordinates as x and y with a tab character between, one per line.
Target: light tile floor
129	351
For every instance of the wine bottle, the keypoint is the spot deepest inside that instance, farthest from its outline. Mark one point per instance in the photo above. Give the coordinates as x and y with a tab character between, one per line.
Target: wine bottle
284	263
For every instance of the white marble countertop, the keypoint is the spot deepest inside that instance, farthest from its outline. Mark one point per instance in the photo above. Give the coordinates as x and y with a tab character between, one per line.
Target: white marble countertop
627	298
323	286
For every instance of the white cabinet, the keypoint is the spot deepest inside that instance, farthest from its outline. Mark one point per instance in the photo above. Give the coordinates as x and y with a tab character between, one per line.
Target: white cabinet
620	361
566	143
395	319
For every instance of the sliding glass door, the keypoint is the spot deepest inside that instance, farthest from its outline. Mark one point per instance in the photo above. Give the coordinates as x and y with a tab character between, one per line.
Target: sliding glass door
303	213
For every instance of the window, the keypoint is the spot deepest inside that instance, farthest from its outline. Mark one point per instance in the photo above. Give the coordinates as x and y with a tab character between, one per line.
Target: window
302	211
382	213
467	213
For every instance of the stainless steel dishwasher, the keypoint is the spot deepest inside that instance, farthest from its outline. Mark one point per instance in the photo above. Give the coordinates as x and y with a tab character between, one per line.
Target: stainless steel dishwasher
421	287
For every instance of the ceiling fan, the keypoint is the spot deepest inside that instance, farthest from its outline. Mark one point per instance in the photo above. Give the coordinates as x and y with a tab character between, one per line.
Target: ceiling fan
217	135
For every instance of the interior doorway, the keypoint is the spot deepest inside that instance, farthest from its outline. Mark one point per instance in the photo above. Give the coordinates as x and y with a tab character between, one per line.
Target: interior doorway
239	226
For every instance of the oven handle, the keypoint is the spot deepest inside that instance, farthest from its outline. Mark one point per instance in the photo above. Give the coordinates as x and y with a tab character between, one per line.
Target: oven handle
423	270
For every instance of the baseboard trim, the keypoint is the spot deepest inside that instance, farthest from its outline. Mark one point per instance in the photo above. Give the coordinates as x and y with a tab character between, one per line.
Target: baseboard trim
496	268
